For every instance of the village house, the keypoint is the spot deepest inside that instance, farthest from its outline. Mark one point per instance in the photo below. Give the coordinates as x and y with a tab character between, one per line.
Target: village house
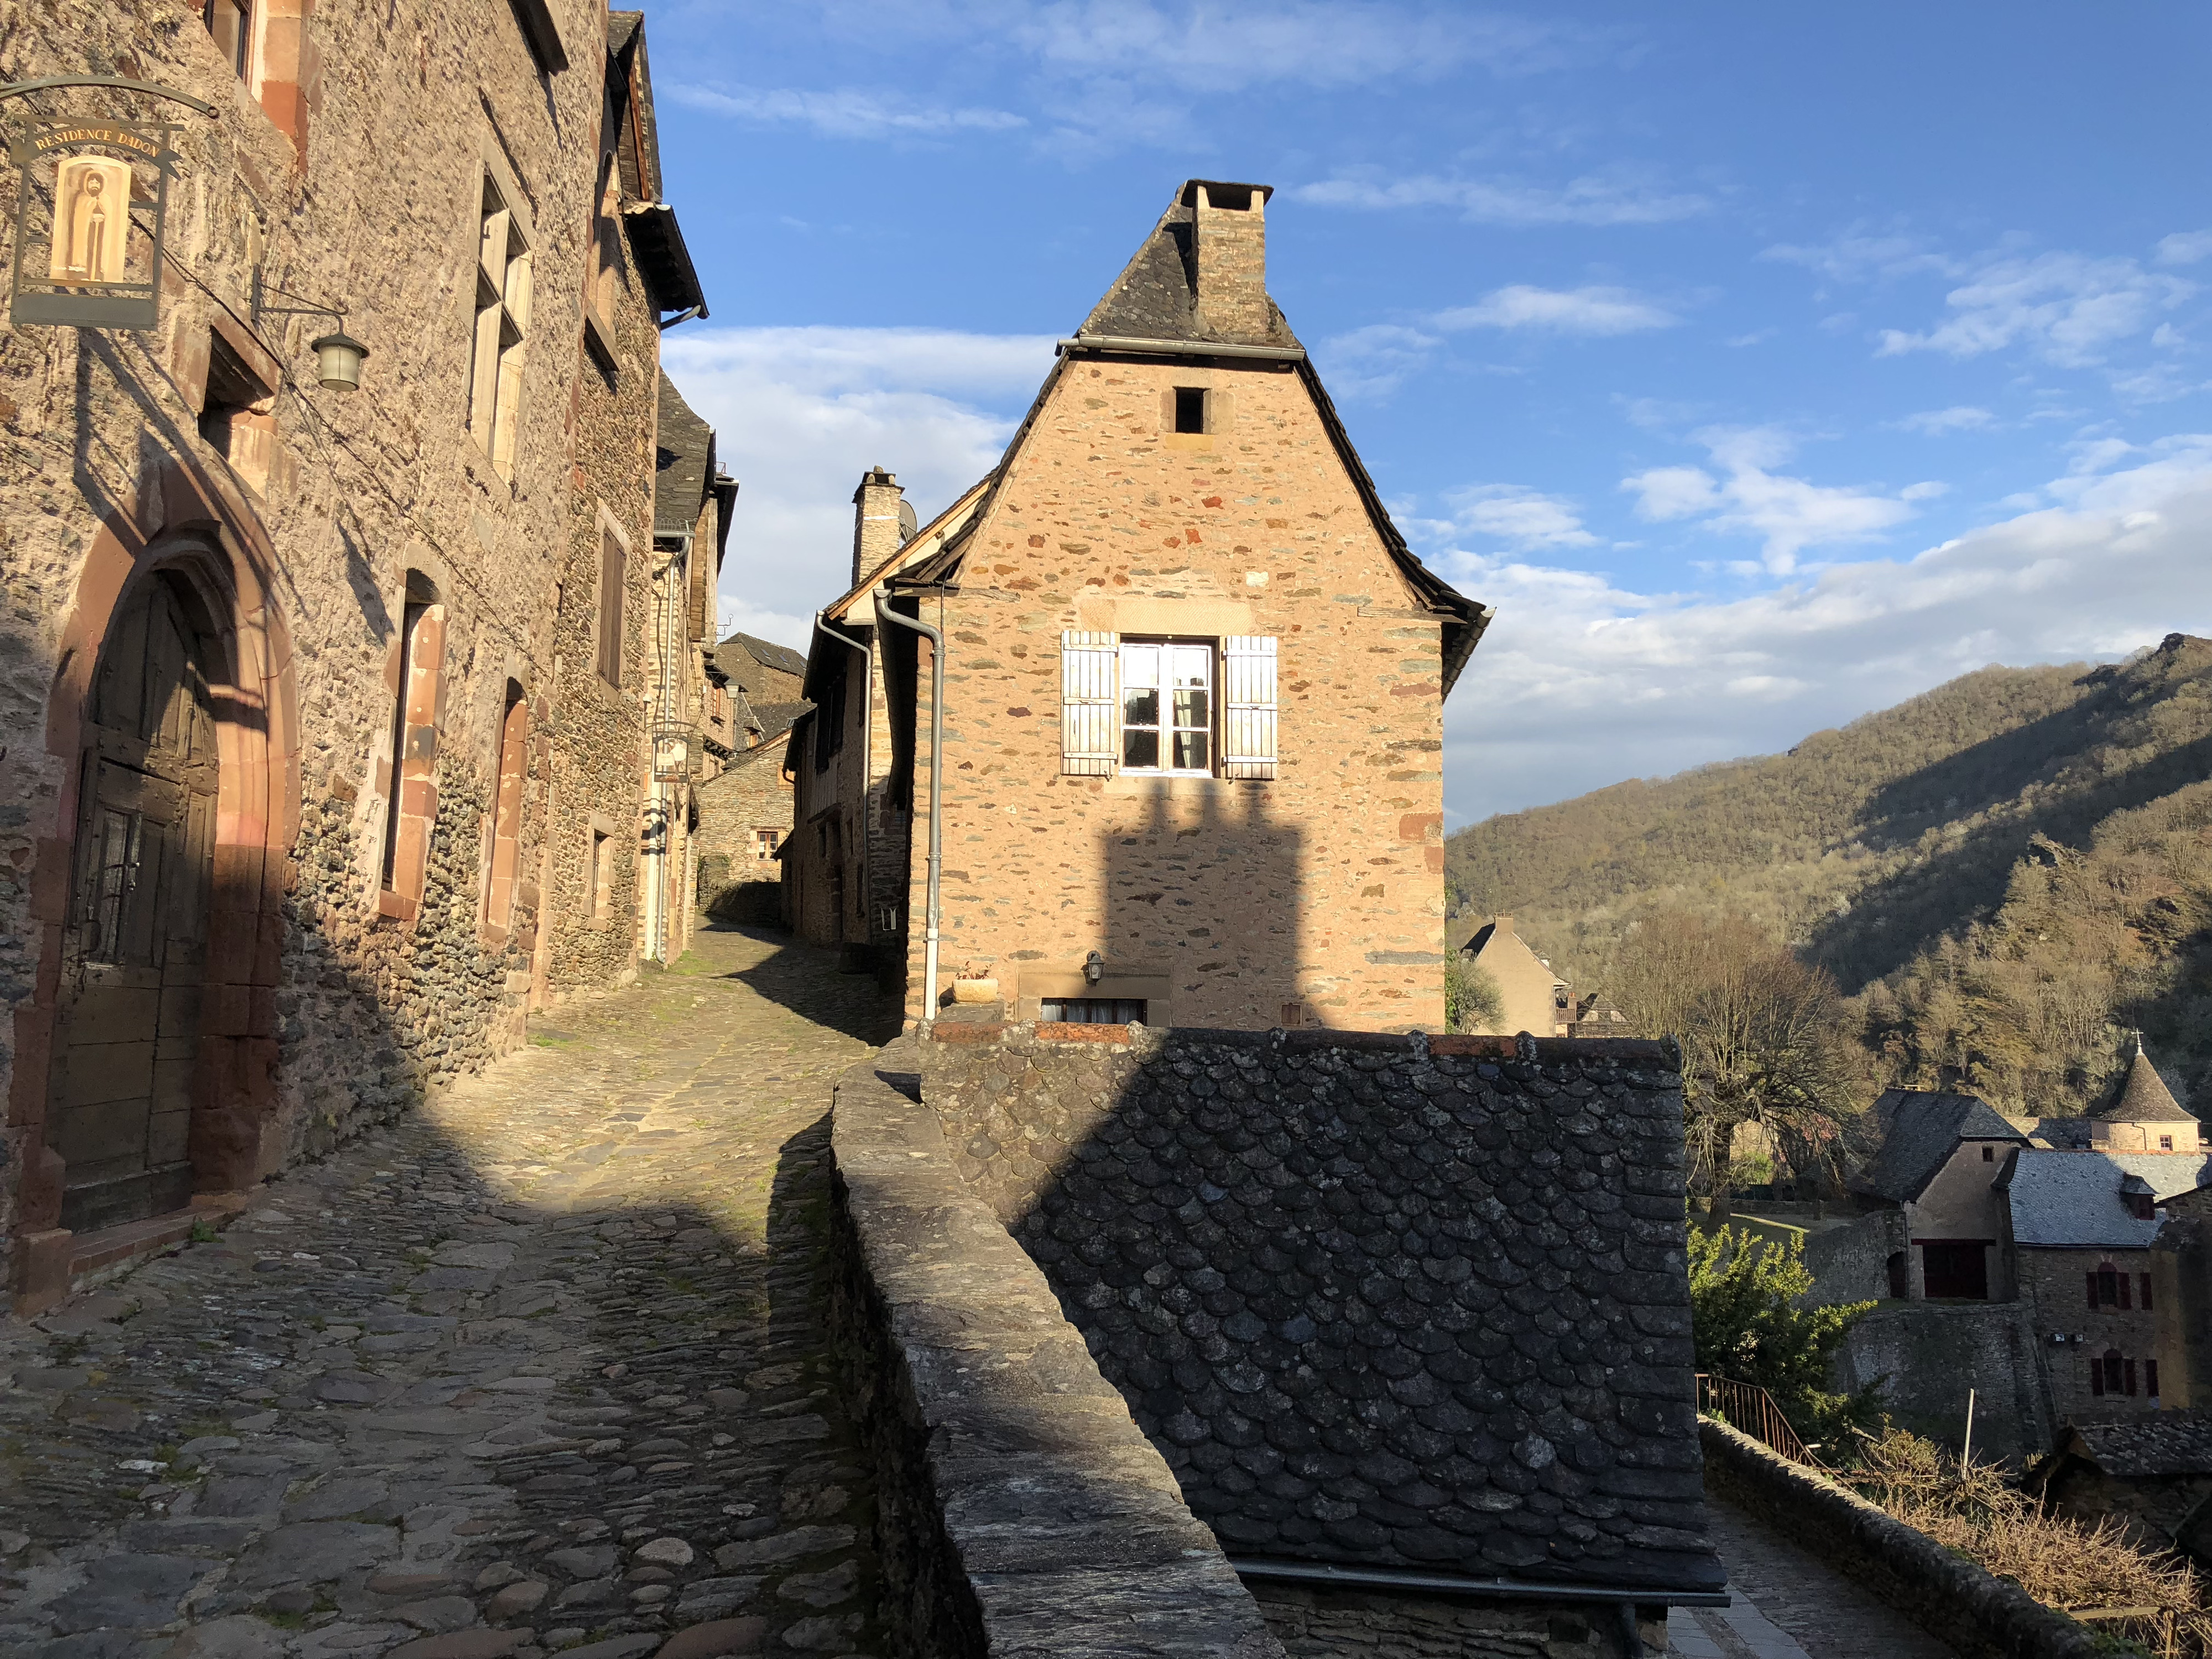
744	809
1146	726
1531	997
337	622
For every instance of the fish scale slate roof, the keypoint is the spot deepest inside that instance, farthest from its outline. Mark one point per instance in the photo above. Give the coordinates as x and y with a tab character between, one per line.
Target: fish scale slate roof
1923	1128
1378	1309
2172	1443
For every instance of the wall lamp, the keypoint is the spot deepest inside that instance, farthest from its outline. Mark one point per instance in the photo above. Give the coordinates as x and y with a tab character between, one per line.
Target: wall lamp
1093	968
338	355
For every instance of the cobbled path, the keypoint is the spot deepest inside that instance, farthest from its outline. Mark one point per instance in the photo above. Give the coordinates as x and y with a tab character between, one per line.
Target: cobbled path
541	1367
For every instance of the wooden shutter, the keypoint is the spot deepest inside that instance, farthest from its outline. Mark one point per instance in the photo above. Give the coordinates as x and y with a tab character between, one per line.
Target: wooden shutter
1090	726
612	576
1247	706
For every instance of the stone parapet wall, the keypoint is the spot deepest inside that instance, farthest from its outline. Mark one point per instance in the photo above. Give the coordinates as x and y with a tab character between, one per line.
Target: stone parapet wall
1927	1355
1019	1510
1954	1600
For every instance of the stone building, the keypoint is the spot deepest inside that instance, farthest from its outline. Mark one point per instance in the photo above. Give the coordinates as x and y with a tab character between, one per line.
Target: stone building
1531	997
1193	688
690	707
324	732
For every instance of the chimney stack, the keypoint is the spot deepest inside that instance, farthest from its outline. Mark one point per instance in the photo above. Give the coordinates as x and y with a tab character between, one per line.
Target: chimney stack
879	527
1230	231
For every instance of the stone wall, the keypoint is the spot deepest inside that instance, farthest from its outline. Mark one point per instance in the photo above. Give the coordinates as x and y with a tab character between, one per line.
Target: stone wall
358	181
1338	1624
1019	1511
1981	1616
1851	1263
1394	1302
1926	1357
752	793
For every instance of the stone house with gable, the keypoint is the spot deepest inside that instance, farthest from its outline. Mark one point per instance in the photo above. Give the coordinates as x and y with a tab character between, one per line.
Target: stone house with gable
1192	685
1532	998
325	746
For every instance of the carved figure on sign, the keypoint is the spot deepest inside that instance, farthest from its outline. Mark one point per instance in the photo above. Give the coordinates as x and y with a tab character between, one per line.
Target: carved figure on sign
92	216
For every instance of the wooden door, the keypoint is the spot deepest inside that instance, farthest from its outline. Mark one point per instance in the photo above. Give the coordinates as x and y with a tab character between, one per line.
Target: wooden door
134	956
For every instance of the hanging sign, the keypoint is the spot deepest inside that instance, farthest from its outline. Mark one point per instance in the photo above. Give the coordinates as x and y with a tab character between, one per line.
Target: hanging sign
92	196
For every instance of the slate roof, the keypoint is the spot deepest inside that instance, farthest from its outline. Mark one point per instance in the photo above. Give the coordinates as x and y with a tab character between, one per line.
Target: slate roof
2169	1443
1923	1127
1384	1308
777	718
682	464
732	655
1156	295
2144	1097
2072	1200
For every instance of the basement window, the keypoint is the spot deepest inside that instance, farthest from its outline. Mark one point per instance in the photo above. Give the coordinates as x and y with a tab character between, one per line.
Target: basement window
1092	1011
1190	409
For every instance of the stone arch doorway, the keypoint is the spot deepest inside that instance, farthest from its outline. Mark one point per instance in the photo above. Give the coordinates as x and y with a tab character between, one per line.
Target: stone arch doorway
134	956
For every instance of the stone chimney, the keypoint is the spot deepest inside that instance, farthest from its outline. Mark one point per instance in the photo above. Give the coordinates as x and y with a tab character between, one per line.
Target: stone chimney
879	528
1231	232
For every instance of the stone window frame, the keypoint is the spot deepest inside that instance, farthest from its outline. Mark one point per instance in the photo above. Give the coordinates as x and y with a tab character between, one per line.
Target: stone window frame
232	380
604	265
500	316
503	871
602	846
767	838
270	59
1217	409
415	680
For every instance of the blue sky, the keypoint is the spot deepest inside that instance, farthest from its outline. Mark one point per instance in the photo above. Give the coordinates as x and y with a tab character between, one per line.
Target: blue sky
1762	365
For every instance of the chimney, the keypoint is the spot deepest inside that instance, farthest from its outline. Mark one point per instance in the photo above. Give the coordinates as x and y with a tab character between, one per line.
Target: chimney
879	528
1505	924
1231	230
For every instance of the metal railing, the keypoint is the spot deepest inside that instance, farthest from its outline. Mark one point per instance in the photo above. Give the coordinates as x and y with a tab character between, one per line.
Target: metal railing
1750	1408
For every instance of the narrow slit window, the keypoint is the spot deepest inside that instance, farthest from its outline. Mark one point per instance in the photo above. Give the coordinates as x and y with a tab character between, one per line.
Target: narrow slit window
614	573
1190	409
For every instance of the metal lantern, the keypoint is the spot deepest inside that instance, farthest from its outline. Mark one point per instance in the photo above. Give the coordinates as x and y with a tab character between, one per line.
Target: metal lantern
337	361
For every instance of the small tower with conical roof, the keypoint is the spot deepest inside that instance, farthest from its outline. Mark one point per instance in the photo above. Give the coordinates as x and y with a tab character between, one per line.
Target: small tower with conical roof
2142	1115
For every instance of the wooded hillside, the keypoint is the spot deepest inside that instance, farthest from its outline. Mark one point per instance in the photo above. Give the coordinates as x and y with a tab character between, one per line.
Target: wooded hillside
2004	871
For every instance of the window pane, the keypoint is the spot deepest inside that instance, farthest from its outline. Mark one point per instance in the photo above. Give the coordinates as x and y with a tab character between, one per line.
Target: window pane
1193	664
1141	748
1190	752
1190	708
1140	664
1140	708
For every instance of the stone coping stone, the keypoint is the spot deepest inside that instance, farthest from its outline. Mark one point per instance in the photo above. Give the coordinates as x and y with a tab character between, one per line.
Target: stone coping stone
1953	1599
1414	1045
1022	1511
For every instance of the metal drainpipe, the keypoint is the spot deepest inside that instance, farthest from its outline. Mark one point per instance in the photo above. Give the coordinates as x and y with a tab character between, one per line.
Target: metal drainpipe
867	731
936	638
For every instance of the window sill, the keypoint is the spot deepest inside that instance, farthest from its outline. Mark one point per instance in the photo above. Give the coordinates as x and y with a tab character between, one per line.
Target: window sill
398	906
599	343
1144	784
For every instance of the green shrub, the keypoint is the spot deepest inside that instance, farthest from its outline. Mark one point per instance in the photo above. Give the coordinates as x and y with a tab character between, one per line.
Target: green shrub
1472	999
1742	1289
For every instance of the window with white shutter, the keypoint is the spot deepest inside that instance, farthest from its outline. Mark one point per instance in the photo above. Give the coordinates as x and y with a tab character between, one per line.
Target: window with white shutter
1089	727
1247	706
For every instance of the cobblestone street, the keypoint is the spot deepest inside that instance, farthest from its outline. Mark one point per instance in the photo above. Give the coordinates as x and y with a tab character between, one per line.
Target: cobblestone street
537	1368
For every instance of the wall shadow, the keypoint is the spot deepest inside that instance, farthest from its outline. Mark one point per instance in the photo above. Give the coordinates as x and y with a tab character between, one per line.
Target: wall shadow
856	1005
395	1304
1201	896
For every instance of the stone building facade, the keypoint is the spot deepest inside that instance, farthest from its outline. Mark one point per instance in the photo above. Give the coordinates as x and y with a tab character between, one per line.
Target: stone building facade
1531	997
1193	684
309	779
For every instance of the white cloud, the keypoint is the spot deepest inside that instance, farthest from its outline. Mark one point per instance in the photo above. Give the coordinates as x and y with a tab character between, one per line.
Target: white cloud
1614	199
845	112
2068	307
1598	310
800	413
2185	247
1583	681
1524	518
1790	514
1219	45
1373	361
1960	417
1858	258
